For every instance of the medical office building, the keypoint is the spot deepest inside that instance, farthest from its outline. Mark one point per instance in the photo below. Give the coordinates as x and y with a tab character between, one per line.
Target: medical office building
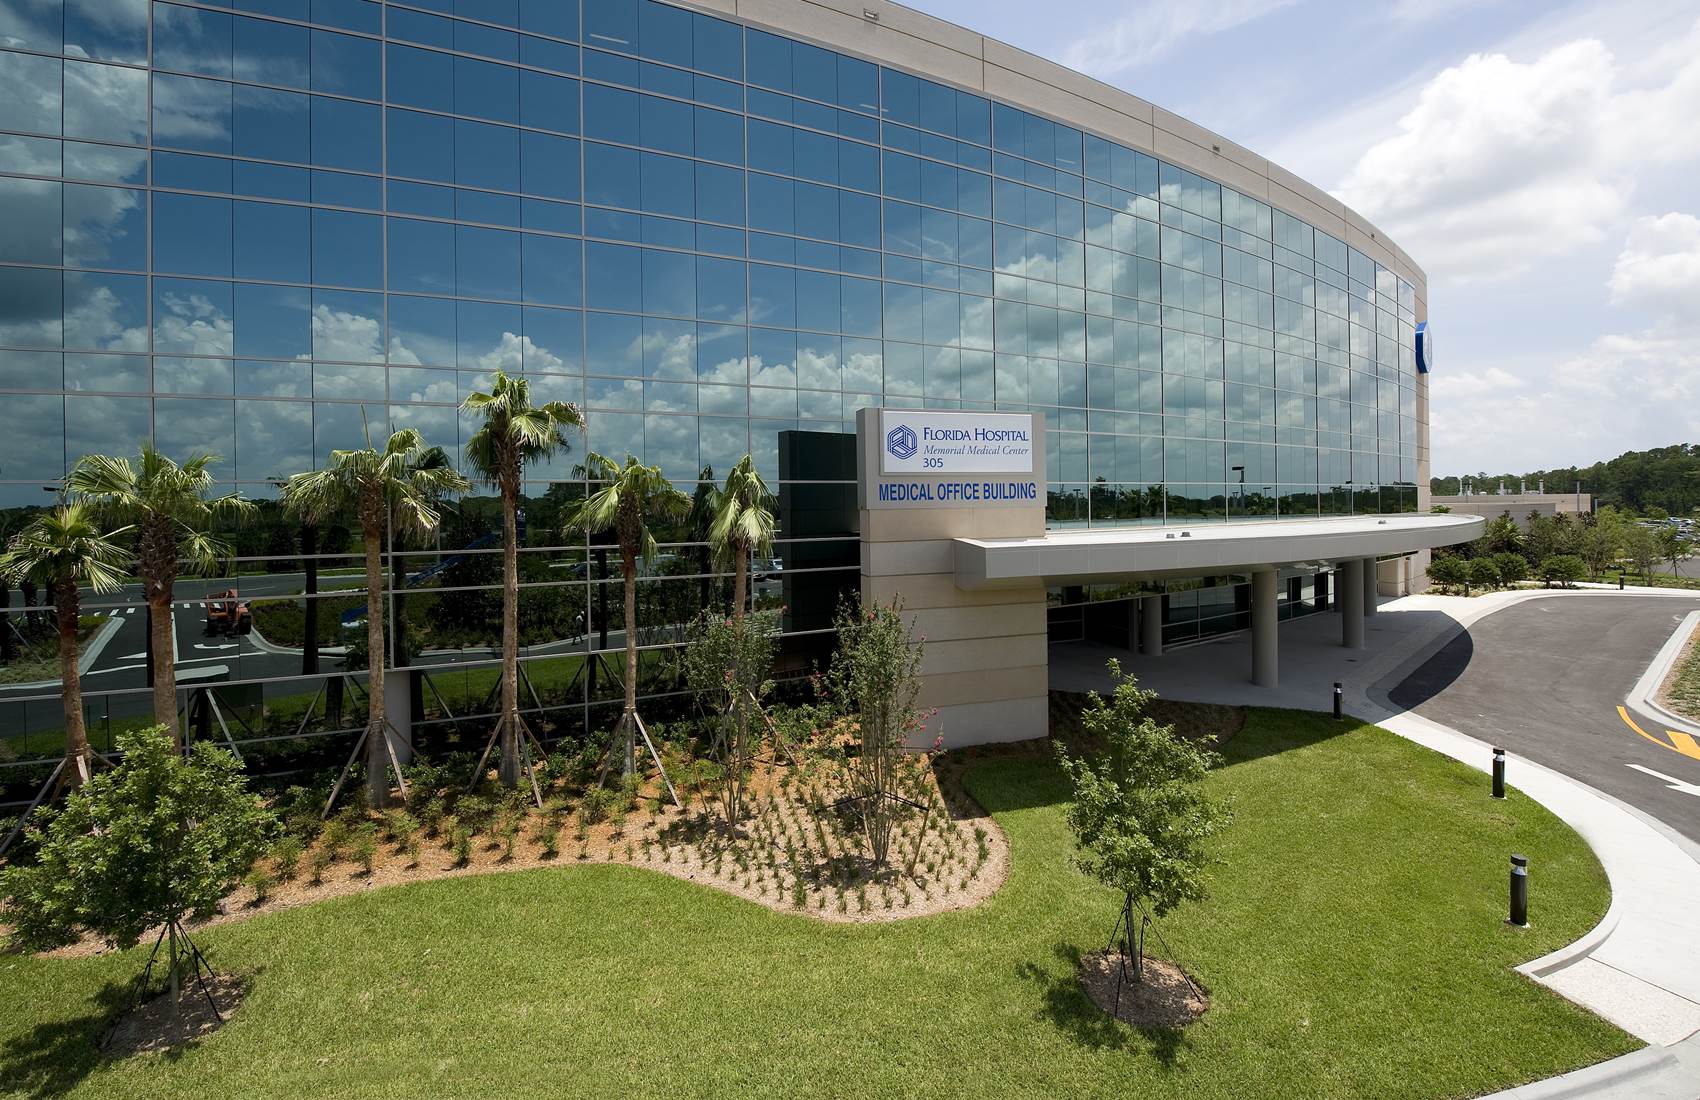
723	228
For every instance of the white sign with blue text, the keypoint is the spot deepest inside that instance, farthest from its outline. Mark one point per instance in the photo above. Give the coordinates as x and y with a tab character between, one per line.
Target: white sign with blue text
955	443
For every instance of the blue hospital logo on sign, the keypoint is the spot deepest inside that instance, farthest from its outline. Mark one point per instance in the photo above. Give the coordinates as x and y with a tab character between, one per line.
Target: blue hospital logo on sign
901	441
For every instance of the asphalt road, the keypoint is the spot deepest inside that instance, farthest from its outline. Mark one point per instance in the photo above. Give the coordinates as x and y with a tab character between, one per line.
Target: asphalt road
1543	679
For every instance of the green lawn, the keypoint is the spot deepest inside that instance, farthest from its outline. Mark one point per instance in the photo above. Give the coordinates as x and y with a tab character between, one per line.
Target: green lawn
1354	946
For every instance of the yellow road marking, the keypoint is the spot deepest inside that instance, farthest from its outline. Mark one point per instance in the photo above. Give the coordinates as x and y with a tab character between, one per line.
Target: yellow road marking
1679	741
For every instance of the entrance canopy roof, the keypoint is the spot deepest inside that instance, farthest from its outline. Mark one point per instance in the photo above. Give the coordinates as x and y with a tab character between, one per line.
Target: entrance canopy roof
1093	555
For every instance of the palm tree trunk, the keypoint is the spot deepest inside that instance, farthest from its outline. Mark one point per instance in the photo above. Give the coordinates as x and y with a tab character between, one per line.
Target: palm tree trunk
164	663
76	734
740	579
629	561
310	619
377	725
509	769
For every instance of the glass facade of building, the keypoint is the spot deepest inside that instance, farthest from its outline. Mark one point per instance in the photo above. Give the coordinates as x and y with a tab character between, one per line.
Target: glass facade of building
257	228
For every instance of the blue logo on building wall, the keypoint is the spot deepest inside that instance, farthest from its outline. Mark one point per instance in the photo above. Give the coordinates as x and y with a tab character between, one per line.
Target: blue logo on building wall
1425	347
901	442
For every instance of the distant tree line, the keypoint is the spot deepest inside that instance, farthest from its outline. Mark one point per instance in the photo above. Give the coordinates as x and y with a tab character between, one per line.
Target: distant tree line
1560	550
1647	483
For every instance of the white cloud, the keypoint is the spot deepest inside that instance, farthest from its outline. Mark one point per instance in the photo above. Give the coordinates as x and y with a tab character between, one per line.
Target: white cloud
1154	29
1659	268
1502	163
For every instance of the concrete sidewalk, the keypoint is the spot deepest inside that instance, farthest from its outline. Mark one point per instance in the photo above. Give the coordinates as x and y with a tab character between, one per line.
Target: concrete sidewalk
1639	968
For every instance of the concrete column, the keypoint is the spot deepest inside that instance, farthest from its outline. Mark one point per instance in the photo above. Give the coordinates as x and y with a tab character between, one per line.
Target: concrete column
1151	625
1265	644
1369	587
1351	577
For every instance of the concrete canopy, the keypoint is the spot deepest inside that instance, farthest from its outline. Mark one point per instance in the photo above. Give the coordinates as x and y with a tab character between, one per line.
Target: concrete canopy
1106	554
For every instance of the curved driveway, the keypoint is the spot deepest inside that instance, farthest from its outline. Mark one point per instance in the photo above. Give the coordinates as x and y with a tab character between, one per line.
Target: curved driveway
1544	678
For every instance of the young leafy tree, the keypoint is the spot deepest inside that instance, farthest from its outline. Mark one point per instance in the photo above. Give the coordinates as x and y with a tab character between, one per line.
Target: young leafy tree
1513	568
400	483
726	664
1449	571
513	433
743	525
1140	814
66	550
1674	547
169	511
874	678
1566	569
1642	547
1601	541
629	497
158	839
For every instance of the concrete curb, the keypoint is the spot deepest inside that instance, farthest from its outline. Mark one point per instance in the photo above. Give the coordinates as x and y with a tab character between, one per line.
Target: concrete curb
1645	693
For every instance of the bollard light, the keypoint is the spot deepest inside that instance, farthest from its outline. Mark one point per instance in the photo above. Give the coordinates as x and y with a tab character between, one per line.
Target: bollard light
1499	773
1620	580
1338	713
1520	890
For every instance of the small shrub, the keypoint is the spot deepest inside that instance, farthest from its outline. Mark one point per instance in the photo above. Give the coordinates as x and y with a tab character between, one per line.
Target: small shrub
450	825
364	847
260	881
462	846
410	847
323	856
509	832
286	858
398	826
1483	573
548	837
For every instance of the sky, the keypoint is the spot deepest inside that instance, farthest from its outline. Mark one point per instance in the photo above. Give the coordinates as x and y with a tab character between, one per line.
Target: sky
1540	161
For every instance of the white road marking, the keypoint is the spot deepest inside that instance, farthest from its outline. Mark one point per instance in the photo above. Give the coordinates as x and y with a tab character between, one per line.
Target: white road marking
1674	784
232	645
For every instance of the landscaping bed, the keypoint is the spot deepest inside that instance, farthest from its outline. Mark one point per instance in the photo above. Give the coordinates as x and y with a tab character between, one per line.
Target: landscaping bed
1681	689
1353	945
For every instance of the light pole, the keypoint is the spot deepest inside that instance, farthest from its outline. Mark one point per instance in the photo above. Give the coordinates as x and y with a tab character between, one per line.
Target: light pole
1241	471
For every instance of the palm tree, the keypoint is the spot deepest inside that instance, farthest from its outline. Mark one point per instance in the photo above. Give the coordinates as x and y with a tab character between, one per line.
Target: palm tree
513	433
66	550
167	506
397	483
743	525
630	494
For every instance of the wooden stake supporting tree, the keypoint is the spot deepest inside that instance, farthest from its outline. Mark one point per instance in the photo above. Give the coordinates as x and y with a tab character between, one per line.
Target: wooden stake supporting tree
514	432
401	483
630	496
65	550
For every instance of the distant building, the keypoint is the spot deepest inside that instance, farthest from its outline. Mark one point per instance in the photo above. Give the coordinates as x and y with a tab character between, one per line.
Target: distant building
1520	506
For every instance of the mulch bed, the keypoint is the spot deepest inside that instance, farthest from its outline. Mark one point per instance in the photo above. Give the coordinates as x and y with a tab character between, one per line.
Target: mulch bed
151	1029
1191	720
1165	999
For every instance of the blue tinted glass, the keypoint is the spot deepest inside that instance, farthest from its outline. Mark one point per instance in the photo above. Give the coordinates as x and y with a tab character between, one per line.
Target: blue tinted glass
549	165
192	317
348	249
348	325
421	78
613	277
814	72
420	198
191	235
664	33
610	113
488	41
553	270
270	125
422	146
347	135
613	343
554	340
272	181
343	189
190	40
273	322
548	102
191	173
422	330
487	262
269	53
105	103
718	47
346	65
103	162
272	242
35	310
350	15
505	12
666	125
773	296
189	113
486	155
554	217
486	90
421	256
769	59
719	135
612	24
666	186
417	27
283	9
553	17
669	283
483	331
547	54
720	290
858	85
720	194
106	312
33	25
610	175
105	227
482	206
770	203
612	68
771	147
31	89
